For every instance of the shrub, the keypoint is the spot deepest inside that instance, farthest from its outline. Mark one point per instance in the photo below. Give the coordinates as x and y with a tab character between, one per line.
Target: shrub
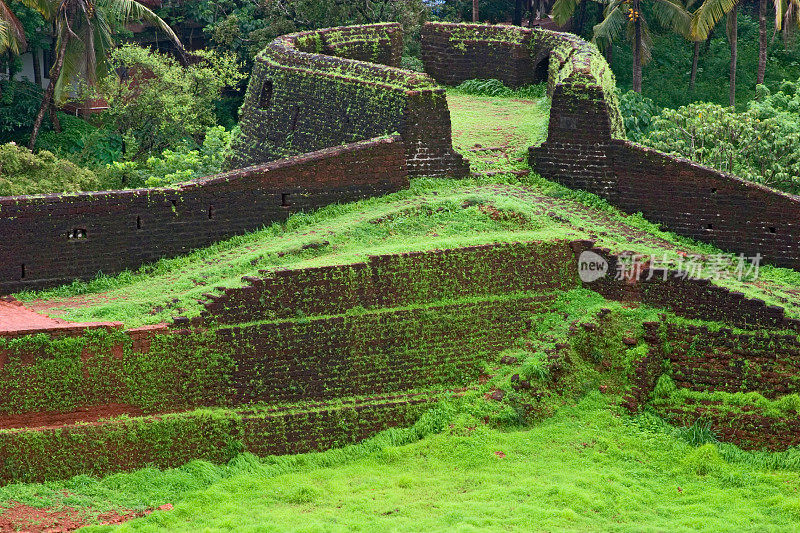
761	144
19	102
493	87
164	104
638	113
23	172
174	166
81	143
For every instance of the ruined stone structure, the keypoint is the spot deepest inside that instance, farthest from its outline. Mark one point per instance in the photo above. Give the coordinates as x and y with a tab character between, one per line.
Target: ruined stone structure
57	238
301	360
322	88
586	147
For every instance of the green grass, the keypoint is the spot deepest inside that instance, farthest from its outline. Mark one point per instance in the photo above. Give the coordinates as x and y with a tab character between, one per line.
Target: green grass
586	468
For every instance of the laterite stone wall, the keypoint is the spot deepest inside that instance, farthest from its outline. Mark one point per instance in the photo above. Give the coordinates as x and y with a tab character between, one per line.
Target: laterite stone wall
54	239
171	440
322	88
394	280
398	322
697	299
398	332
702	359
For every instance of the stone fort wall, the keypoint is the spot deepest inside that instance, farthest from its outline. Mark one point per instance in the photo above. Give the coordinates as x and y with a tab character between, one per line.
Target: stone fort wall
53	239
586	147
327	87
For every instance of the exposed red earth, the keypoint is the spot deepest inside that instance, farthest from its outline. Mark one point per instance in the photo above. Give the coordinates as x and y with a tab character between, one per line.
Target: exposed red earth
17	320
54	420
27	519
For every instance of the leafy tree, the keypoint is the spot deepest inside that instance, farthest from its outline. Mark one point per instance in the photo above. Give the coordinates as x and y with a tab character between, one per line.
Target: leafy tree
172	166
711	12
761	144
162	103
83	32
626	16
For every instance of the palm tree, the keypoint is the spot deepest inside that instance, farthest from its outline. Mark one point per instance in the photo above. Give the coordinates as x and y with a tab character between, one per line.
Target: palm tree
789	16
575	10
711	11
626	16
12	34
83	32
703	21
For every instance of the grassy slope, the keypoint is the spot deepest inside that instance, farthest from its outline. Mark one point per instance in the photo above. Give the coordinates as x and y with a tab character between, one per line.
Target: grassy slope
585	468
431	214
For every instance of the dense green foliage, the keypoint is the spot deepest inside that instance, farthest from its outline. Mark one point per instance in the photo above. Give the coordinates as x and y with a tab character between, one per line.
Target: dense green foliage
19	101
493	87
638	113
761	144
173	166
22	172
666	77
163	104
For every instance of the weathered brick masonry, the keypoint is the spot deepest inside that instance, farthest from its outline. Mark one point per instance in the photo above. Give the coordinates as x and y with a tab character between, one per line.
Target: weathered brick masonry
404	310
709	360
55	239
585	147
747	347
397	332
326	87
385	281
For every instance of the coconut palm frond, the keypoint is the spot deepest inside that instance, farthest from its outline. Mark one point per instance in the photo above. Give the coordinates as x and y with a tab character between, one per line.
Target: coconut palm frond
671	14
613	24
130	10
12	34
563	10
707	15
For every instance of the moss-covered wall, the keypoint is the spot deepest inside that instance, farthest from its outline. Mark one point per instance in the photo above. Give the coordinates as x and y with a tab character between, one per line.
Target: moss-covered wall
217	435
323	88
52	239
397	329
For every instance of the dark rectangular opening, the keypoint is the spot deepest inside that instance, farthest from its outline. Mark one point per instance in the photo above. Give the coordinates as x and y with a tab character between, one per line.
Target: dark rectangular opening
78	233
265	98
138	222
285	199
211	211
772	229
22	271
710	226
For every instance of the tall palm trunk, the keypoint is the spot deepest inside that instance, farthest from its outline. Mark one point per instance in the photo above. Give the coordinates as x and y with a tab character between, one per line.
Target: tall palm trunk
517	13
733	37
637	47
47	99
695	60
762	40
474	10
37	67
